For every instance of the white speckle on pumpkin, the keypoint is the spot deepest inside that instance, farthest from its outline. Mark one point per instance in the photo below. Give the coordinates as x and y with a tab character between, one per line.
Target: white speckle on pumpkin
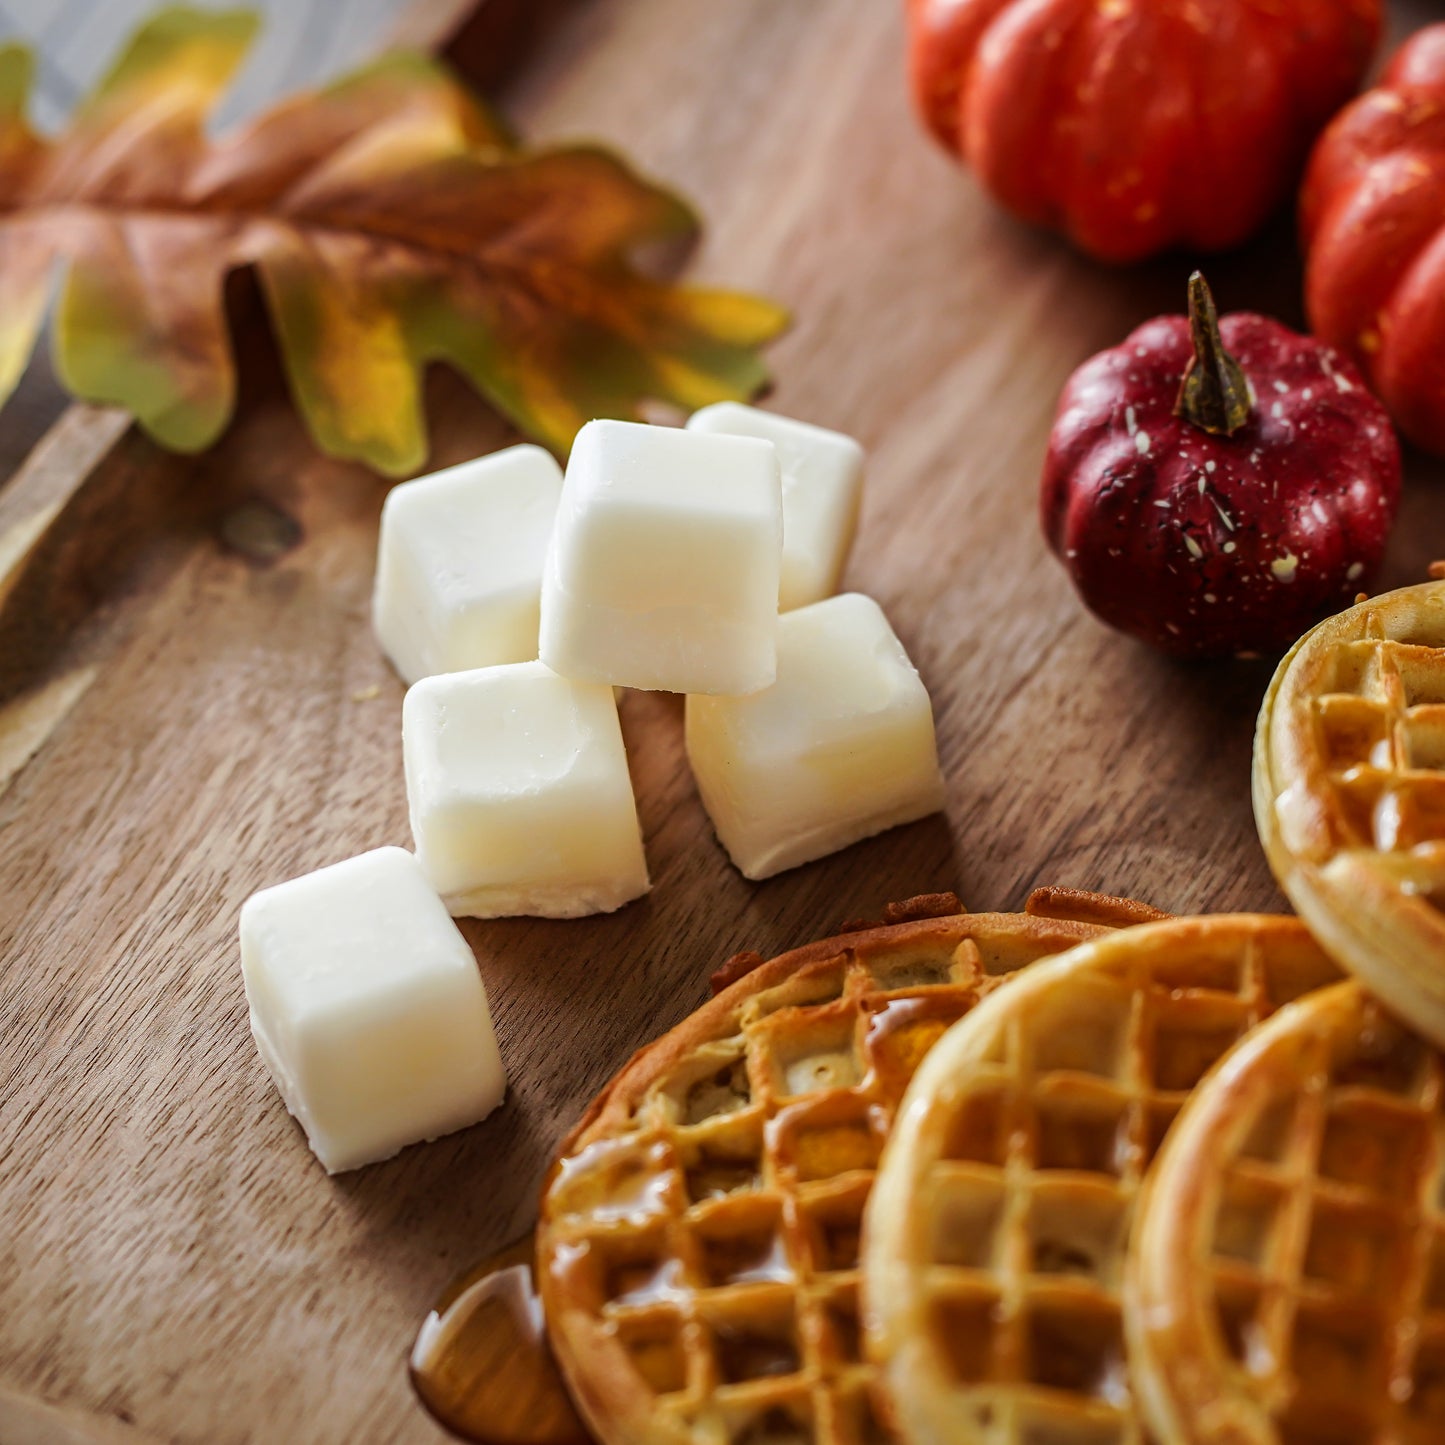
1210	597
1280	387
1130	420
1229	546
1284	568
1321	516
1141	443
1308	393
1355	569
1277	410
1162	502
1209	467
1342	382
1195	550
1202	485
1172	628
1223	515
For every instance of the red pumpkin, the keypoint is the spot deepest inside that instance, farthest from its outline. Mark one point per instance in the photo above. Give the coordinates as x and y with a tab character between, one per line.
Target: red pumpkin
1217	487
1373	217
1136	125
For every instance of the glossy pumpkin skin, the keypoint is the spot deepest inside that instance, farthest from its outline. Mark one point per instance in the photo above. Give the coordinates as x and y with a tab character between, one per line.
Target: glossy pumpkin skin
1137	125
1373	219
1206	545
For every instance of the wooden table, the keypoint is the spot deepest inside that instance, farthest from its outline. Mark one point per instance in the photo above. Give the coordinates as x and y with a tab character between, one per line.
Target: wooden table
188	721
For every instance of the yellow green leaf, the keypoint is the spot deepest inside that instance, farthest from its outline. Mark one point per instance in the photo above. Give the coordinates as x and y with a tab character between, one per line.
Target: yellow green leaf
393	222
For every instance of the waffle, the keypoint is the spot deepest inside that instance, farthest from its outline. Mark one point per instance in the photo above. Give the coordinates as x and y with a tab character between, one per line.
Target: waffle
698	1240
1287	1285
1349	794
996	1233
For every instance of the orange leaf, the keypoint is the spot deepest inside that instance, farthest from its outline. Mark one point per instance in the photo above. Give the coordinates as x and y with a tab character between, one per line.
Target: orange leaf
392	221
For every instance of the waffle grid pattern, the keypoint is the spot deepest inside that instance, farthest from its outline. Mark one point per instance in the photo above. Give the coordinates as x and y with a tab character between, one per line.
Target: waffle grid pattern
1027	1205
717	1239
1382	736
1327	1262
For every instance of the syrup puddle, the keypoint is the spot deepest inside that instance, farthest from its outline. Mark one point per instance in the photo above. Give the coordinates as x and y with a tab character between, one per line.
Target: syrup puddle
481	1363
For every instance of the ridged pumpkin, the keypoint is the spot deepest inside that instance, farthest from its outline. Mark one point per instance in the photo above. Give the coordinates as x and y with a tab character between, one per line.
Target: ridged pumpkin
1137	125
1215	487
1373	218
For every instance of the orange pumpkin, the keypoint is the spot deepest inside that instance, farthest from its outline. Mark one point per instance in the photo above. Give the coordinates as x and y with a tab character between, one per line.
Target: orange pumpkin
1373	218
1136	125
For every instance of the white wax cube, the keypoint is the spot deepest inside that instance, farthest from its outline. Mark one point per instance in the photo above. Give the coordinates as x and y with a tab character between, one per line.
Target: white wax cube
368	1009
839	748
664	566
459	563
822	492
519	793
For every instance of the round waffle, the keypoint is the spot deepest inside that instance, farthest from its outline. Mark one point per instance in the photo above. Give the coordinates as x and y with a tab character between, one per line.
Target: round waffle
1287	1285
1349	793
996	1233
698	1239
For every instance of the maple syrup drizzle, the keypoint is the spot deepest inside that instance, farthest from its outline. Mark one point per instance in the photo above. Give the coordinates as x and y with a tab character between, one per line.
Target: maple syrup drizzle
903	1031
481	1363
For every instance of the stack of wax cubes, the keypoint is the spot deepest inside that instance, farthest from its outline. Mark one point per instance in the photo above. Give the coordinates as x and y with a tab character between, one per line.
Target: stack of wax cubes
806	730
702	561
672	550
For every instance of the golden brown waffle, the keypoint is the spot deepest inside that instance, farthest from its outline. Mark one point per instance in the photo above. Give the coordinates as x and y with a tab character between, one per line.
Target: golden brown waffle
1287	1285
996	1234
698	1241
1349	793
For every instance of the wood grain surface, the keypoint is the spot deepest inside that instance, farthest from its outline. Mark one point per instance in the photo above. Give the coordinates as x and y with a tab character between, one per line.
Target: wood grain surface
196	708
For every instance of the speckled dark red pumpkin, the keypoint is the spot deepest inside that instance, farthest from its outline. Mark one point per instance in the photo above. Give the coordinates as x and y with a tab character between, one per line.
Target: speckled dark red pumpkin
1135	125
1206	544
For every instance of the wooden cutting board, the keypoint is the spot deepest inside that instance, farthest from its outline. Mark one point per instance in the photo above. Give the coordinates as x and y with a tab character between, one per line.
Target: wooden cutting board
195	708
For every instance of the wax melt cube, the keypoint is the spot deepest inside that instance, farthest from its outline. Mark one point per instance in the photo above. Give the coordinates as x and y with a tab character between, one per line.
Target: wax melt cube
519	793
459	563
368	1009
664	567
839	748
822	491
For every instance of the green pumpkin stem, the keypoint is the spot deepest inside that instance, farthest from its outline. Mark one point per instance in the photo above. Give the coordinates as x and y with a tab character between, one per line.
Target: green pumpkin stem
1214	394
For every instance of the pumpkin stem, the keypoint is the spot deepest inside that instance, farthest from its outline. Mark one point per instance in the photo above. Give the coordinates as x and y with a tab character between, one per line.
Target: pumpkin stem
1214	394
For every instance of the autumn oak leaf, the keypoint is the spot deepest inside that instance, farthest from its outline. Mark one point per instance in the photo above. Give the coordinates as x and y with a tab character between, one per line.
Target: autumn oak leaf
391	220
